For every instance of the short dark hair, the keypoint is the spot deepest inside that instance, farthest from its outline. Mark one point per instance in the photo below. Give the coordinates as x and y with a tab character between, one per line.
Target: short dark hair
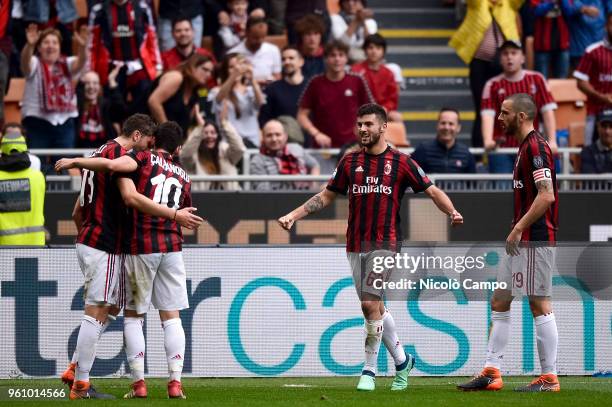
450	109
168	136
363	2
375	39
291	48
180	19
141	122
253	21
13	124
522	102
335	46
373	108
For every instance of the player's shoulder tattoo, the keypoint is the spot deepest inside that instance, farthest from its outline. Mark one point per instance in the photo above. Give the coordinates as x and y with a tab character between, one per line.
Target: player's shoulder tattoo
545	185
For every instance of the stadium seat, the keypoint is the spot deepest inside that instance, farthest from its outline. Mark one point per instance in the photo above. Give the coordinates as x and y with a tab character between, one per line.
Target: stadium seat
207	43
81	6
571	102
12	110
333	6
279	40
396	134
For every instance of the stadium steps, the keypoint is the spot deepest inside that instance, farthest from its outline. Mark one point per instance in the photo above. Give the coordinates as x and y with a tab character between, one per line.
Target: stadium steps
418	32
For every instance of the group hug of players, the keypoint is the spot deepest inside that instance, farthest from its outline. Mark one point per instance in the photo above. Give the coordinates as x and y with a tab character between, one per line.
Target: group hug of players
150	269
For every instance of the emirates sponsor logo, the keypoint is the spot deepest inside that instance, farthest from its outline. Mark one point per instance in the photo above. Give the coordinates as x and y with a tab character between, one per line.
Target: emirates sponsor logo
518	184
371	187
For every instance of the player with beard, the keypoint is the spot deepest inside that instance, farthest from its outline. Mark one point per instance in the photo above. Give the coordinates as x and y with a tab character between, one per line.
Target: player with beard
530	245
375	178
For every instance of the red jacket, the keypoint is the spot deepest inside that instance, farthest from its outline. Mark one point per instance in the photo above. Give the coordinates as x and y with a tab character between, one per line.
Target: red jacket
101	41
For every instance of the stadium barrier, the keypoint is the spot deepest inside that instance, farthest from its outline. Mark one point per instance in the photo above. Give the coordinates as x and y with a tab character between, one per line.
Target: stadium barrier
281	311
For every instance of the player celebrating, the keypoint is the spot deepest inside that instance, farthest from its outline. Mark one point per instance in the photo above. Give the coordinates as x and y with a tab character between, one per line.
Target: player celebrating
98	209
375	177
529	268
154	264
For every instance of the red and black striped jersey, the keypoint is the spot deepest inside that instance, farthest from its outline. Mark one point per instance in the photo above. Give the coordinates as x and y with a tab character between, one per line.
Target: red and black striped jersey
596	68
534	163
101	204
123	32
161	180
498	88
550	30
375	185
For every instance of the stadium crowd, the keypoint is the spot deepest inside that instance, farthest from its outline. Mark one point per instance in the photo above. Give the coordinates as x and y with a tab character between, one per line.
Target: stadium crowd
228	70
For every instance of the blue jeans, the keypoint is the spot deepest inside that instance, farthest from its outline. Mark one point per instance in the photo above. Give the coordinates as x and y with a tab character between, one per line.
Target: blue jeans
502	164
560	63
42	134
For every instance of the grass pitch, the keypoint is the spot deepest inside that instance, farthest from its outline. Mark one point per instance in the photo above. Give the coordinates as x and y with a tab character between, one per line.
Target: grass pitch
334	391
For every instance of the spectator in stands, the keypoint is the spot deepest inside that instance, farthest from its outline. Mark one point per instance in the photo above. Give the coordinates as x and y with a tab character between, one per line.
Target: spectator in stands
172	10
282	96
485	27
277	157
123	30
594	76
586	20
175	96
551	38
597	158
296	10
22	221
49	103
183	37
264	56
60	14
514	79
380	79
241	94
330	101
208	151
16	130
100	116
233	24
352	25
6	47
310	29
444	154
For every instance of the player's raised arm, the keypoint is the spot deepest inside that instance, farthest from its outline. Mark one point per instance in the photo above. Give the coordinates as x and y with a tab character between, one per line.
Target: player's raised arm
184	217
124	163
77	214
444	203
314	204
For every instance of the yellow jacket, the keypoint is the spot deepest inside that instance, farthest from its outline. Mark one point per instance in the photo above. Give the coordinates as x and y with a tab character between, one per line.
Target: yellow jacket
479	17
22	199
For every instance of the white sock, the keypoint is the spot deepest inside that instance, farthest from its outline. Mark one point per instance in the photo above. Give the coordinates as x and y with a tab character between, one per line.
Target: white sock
86	346
374	333
174	342
547	339
134	346
498	338
109	321
391	340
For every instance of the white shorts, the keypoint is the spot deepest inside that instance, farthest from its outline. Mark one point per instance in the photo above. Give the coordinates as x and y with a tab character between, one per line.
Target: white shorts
156	278
103	274
530	273
365	277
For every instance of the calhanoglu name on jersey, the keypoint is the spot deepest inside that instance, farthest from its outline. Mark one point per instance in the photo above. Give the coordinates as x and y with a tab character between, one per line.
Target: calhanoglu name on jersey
435	284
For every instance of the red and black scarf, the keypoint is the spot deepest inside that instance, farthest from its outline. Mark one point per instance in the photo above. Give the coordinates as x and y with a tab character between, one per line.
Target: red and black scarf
288	164
57	90
91	129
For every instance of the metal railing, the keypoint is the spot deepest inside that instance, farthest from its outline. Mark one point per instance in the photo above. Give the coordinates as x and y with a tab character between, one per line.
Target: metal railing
448	182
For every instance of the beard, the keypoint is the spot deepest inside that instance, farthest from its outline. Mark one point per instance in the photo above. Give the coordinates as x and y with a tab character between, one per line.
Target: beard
512	127
373	140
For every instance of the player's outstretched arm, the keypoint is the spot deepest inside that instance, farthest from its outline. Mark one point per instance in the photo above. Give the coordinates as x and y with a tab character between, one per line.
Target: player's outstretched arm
541	203
444	203
184	217
124	163
314	204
